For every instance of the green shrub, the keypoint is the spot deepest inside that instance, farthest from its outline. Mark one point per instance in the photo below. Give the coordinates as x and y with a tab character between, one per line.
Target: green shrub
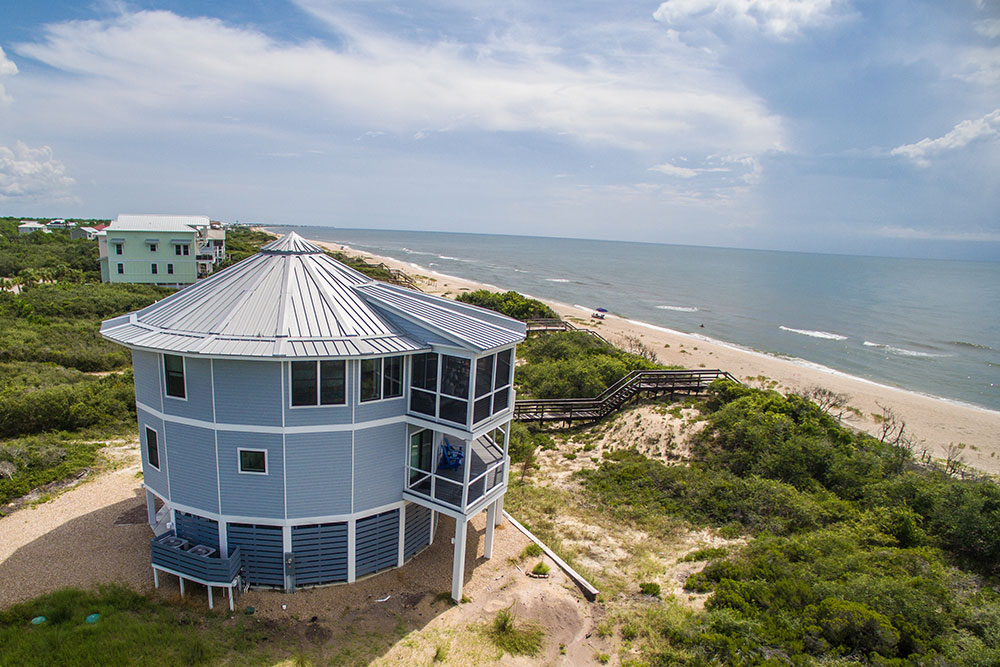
540	568
508	637
531	551
510	304
650	588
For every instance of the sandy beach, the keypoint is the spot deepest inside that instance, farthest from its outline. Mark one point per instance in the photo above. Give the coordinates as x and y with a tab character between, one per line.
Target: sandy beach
937	426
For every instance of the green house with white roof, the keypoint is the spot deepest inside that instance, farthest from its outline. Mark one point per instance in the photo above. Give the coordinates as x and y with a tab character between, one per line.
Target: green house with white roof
155	249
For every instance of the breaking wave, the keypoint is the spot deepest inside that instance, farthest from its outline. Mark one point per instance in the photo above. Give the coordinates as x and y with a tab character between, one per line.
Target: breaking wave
901	351
557	280
814	334
680	309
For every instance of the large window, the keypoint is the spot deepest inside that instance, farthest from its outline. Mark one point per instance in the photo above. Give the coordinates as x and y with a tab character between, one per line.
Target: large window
421	450
319	383
447	399
381	378
492	385
253	461
152	453
182	249
173	367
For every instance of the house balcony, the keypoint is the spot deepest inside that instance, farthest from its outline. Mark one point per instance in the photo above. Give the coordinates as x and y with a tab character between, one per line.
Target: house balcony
460	487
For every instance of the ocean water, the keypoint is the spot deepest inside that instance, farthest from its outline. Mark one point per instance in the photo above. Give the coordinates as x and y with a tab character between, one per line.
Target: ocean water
930	326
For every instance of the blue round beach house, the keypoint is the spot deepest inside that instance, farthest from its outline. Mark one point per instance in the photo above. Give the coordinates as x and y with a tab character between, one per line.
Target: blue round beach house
302	424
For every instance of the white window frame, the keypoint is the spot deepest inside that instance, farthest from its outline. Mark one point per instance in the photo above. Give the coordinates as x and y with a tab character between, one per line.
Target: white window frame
319	385
170	269
183	370
146	448
381	380
121	268
239	461
119	248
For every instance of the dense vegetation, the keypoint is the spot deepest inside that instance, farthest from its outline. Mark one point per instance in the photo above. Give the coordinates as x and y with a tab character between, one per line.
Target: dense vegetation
62	386
855	552
572	364
39	256
242	242
510	304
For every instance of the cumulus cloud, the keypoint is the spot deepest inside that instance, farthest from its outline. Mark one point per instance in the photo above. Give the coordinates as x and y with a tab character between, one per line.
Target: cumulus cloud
960	136
27	172
776	18
988	28
151	66
7	68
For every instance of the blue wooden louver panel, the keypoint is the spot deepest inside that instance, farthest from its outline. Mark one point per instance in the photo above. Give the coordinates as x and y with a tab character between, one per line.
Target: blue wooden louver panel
418	529
376	543
263	556
320	553
197	529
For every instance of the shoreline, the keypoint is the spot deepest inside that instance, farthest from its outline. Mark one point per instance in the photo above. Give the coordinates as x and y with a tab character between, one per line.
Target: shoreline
936	424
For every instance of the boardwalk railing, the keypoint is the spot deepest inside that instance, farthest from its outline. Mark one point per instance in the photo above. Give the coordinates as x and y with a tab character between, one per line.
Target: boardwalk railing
399	277
553	324
617	395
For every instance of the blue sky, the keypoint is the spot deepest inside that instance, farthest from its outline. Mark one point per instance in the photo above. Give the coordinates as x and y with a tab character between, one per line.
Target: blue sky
817	125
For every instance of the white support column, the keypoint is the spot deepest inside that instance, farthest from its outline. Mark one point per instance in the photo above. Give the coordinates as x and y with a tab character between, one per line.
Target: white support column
465	474
430	538
151	508
211	602
499	512
458	565
351	541
491	513
402	534
224	539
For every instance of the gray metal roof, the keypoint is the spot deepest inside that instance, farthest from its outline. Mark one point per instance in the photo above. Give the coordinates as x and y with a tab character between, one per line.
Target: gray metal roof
293	300
158	223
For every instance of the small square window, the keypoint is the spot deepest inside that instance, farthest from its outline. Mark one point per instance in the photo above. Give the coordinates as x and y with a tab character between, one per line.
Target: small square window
253	460
152	247
121	268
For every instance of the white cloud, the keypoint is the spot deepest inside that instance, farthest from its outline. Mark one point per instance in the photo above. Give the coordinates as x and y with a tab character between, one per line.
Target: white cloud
960	136
777	18
7	68
27	172
674	170
727	170
988	28
156	67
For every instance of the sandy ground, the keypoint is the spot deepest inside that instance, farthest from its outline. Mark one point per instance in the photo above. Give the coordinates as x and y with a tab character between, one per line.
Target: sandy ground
96	533
935	424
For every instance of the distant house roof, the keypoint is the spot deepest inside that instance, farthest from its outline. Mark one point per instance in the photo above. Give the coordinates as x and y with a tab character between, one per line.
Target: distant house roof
293	300
101	226
89	230
157	223
31	224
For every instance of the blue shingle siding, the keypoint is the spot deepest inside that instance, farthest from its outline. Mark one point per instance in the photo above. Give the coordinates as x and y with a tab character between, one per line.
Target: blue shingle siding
376	543
319	473
151	477
247	494
191	452
146	374
320	553
384	409
262	550
418	529
248	392
197	403
379	457
197	529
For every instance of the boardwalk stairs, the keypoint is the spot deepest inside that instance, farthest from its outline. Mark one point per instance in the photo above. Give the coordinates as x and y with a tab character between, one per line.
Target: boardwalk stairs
654	382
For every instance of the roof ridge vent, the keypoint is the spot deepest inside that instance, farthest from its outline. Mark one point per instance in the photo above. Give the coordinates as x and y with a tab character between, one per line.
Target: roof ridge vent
291	244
